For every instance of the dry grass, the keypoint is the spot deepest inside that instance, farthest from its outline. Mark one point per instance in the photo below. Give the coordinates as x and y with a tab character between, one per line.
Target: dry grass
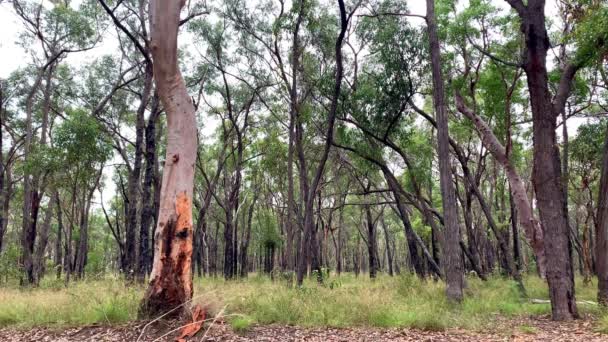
346	301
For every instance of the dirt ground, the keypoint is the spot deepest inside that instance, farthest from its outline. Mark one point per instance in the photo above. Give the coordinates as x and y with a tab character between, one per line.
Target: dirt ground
527	329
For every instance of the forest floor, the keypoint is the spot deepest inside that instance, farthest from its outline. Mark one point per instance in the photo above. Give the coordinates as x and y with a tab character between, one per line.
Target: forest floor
525	329
345	308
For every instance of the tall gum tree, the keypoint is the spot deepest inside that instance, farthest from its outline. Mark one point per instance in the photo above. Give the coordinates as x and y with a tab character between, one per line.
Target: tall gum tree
453	265
171	278
547	171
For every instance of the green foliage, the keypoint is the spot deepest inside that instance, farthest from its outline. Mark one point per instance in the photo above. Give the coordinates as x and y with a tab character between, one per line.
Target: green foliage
591	34
9	263
587	147
80	147
267	228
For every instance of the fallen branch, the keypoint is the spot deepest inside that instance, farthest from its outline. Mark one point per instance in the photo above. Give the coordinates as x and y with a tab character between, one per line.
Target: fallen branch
191	323
219	314
546	301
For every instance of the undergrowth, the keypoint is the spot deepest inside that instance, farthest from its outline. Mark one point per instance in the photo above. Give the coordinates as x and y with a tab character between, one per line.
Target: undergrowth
402	301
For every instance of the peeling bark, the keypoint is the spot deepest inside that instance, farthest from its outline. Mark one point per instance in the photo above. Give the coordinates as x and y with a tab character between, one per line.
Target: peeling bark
171	278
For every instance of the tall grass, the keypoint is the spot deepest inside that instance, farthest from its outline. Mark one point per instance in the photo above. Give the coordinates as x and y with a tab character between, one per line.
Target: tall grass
82	303
403	301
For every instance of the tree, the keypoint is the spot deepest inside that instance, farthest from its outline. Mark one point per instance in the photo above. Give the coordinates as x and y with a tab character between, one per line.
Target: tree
547	173
454	270
171	281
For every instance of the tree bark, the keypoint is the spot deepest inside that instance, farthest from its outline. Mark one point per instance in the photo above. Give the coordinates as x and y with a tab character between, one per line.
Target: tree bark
134	183
601	231
148	212
547	175
246	238
453	265
531	225
389	251
171	278
372	242
59	237
39	264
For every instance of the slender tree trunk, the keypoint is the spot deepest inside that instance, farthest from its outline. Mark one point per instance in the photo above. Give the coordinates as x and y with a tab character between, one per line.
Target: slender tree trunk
310	191
453	266
413	240
59	238
171	278
601	231
246	238
148	210
372	242
39	262
389	252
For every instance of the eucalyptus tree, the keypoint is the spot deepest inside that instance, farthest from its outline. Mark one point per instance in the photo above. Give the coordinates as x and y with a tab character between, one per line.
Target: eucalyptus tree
171	278
130	20
239	81
547	176
586	171
79	153
56	32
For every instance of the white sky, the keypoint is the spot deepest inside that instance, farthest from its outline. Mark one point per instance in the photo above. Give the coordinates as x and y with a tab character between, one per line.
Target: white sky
13	56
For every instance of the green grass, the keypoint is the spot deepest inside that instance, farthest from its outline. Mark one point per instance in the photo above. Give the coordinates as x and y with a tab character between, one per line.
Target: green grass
403	301
81	303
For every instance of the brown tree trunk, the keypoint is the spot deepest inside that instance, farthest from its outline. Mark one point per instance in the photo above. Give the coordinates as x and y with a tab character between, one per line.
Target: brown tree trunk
453	266
547	175
43	238
372	242
59	237
246	238
171	278
150	180
389	251
601	231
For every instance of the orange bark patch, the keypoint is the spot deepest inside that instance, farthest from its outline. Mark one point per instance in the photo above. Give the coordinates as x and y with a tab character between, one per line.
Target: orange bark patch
183	208
173	284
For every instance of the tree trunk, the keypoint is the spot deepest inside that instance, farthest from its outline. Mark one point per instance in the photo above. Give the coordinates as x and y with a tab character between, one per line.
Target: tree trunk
601	231
547	175
59	237
413	240
246	238
453	266
310	191
372	243
531	226
148	211
39	262
389	252
171	278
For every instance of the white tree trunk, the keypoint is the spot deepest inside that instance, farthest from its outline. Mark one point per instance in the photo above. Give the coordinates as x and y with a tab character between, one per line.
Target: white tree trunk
171	279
